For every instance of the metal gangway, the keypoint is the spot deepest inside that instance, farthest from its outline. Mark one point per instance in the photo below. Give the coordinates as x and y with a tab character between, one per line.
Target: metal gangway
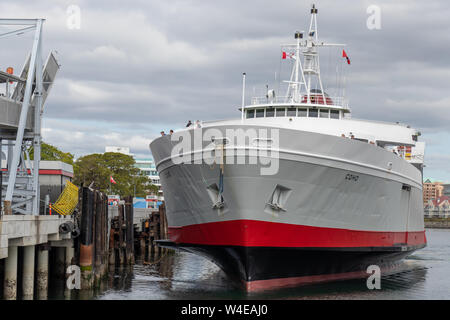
21	109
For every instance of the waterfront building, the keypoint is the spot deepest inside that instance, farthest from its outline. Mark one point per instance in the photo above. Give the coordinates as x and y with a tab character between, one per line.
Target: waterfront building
149	202
439	207
432	190
148	168
446	191
53	176
123	150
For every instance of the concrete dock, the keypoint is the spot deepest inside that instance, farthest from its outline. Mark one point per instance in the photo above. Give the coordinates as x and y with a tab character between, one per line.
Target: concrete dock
34	235
37	249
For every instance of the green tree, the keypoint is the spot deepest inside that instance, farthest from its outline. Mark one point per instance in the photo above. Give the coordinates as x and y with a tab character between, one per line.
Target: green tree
153	189
90	169
52	153
98	168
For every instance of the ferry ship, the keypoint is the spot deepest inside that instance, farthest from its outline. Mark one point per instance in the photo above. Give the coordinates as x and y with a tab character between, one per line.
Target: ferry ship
294	190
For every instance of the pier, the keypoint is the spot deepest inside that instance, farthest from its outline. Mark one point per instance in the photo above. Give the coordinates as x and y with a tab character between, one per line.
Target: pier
31	238
97	238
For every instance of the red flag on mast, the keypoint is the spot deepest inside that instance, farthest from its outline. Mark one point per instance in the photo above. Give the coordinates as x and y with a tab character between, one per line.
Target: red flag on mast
344	55
112	180
287	55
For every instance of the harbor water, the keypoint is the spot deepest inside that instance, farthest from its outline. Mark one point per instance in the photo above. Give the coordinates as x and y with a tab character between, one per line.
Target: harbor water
423	275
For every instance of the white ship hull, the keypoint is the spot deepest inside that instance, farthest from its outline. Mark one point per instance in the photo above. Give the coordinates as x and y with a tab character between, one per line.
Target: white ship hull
337	193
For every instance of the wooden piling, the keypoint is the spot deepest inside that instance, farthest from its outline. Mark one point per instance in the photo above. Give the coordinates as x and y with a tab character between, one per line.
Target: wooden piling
112	249
118	242
59	263
97	239
86	235
121	243
96	242
150	248
154	228
104	236
129	236
163	225
142	248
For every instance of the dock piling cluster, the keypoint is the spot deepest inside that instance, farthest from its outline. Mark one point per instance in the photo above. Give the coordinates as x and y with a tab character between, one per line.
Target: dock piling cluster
121	251
153	228
96	238
93	240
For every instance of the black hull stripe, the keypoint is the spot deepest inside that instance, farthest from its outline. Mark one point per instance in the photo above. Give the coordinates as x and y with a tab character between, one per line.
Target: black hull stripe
248	264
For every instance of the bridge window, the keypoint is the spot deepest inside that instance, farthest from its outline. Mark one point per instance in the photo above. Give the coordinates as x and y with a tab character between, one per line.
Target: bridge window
250	113
324	113
259	113
334	114
313	113
302	112
281	112
291	112
270	112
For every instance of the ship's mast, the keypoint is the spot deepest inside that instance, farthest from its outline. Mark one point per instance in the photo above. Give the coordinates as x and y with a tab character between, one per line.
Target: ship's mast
295	86
311	56
303	75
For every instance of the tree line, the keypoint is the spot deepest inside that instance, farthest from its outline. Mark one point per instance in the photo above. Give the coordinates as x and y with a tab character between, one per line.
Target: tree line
96	169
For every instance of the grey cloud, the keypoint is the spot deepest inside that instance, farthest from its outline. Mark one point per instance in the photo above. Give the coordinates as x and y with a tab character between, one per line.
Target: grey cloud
151	65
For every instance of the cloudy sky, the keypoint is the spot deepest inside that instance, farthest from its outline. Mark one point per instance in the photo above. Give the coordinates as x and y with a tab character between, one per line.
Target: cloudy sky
134	68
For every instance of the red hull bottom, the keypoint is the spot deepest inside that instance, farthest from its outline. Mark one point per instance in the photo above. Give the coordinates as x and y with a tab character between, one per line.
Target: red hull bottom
263	255
253	233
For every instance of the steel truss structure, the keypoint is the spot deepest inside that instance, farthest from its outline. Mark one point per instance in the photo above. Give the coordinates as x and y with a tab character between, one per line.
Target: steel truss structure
21	109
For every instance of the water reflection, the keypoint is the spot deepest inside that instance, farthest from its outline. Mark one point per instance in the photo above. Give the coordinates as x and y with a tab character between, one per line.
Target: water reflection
186	276
182	275
121	278
393	286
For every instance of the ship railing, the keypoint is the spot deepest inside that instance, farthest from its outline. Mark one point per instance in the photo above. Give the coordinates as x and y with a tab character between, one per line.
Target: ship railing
315	99
383	122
